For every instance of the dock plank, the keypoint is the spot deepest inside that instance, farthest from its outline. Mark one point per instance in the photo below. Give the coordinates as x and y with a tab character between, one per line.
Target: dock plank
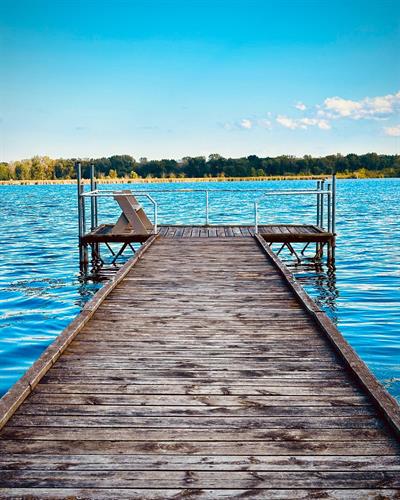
201	375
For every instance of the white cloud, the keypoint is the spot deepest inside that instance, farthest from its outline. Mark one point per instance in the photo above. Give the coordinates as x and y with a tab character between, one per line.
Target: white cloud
332	108
393	131
241	125
301	106
369	107
263	123
246	123
286	122
302	123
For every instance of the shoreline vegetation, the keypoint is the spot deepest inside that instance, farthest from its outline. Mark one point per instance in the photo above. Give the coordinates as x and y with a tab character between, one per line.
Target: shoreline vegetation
125	169
160	180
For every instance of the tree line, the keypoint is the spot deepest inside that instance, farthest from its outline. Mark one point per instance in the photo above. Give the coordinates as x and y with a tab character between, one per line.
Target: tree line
44	168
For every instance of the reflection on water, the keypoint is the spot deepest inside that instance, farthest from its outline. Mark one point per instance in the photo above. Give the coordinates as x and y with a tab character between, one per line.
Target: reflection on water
41	290
320	281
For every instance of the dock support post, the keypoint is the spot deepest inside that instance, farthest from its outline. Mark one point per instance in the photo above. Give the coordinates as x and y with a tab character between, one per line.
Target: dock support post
255	217
318	201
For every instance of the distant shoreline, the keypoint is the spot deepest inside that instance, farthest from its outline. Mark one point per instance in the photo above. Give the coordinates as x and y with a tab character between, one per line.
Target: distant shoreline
160	180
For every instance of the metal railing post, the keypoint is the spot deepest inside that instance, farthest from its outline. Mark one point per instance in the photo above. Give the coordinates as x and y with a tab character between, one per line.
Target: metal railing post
329	216
92	199
81	217
333	226
318	201
155	211
96	219
207	207
78	180
321	212
256	217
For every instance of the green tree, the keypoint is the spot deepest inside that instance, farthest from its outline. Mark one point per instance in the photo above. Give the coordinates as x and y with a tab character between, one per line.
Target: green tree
5	173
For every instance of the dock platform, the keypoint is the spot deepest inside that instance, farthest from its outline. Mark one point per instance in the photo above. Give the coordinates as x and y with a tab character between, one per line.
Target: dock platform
202	370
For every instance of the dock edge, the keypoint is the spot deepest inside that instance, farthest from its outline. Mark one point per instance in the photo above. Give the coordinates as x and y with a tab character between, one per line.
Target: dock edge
18	392
384	402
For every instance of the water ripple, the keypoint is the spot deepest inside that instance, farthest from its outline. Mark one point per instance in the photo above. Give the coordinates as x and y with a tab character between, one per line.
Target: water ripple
41	290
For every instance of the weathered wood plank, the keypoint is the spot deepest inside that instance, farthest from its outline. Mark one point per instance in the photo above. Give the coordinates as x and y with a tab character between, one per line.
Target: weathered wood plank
192	448
196	400
206	411
75	462
200	373
188	422
202	494
200	479
279	389
369	439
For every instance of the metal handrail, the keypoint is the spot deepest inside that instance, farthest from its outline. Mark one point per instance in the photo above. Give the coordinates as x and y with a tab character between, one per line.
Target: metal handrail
320	192
97	193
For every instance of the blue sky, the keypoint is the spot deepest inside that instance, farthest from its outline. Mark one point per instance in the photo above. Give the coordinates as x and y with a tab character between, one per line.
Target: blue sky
167	79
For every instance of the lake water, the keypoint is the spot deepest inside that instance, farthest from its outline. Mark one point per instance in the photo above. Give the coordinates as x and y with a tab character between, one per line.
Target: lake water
41	290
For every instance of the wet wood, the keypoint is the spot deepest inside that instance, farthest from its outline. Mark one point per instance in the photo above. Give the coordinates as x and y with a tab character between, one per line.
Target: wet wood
202	374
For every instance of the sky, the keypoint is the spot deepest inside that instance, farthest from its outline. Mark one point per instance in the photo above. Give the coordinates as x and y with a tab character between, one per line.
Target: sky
171	78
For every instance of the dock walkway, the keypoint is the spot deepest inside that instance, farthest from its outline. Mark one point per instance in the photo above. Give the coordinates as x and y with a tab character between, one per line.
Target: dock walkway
202	374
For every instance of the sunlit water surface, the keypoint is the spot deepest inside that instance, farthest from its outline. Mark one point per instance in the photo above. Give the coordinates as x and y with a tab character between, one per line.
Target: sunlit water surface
41	290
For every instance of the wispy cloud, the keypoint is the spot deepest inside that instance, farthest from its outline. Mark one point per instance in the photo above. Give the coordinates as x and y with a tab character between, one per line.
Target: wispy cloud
243	124
302	123
332	109
300	105
392	131
264	123
246	123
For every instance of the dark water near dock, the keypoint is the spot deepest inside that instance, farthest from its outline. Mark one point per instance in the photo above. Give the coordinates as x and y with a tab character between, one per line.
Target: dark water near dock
41	290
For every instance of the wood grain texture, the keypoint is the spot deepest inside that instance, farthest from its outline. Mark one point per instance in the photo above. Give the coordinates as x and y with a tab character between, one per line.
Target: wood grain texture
202	374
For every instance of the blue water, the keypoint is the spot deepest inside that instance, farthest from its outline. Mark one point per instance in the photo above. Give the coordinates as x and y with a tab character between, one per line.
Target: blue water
41	290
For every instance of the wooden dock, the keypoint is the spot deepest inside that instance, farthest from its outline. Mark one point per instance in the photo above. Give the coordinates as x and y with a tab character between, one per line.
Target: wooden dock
202	370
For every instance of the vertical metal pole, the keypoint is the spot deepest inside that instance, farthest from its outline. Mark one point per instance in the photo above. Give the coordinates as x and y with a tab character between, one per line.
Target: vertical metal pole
92	199
255	217
333	223
207	208
93	216
321	214
329	217
155	218
96	219
81	217
85	259
318	201
80	228
334	203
